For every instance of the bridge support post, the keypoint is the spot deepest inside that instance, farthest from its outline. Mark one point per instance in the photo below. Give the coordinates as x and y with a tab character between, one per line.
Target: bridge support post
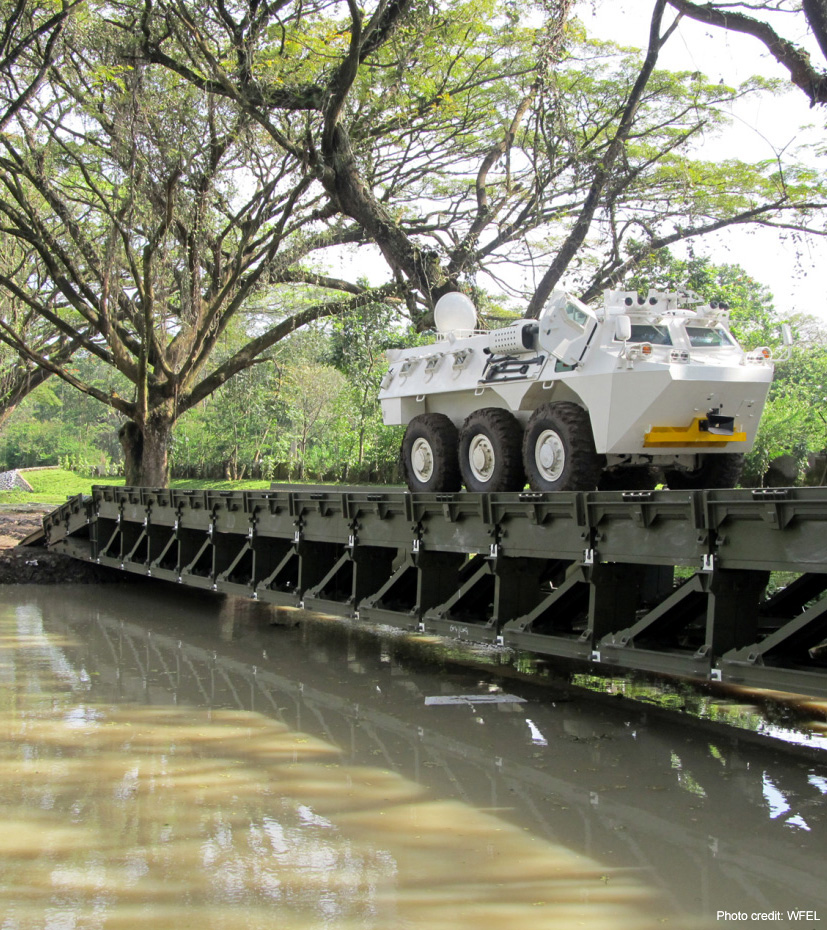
419	582
492	590
358	572
732	608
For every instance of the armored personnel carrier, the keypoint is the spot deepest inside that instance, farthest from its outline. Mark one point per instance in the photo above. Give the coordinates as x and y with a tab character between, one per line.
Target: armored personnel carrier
643	390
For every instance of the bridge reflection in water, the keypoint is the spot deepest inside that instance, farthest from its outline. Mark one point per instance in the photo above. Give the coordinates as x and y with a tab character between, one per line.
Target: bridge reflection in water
186	763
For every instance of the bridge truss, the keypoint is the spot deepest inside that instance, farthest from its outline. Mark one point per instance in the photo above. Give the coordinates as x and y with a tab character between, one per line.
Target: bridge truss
673	582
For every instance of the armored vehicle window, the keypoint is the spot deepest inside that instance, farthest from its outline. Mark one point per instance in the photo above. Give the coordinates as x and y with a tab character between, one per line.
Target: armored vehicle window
703	337
650	332
575	314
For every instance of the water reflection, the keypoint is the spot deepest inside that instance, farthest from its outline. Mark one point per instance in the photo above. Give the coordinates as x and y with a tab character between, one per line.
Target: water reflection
188	758
120	814
779	715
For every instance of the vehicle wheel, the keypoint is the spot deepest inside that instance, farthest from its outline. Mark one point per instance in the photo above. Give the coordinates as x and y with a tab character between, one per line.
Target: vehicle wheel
715	471
489	451
558	449
429	454
629	478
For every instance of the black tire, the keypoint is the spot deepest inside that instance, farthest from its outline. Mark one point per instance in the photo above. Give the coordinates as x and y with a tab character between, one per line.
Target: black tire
715	471
489	451
629	478
558	450
429	454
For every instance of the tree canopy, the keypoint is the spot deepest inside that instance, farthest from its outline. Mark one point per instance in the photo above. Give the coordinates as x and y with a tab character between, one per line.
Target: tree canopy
172	173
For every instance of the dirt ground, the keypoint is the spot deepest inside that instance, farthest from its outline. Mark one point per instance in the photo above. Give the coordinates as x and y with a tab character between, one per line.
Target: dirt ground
18	523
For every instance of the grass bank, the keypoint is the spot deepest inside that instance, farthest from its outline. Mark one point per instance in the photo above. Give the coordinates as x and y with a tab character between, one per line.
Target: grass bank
54	485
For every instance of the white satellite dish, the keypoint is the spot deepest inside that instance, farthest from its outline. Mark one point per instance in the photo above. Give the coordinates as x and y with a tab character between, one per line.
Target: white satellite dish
455	313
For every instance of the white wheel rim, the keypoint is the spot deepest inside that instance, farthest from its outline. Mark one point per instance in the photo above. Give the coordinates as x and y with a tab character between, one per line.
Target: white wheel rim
481	458
422	460
550	455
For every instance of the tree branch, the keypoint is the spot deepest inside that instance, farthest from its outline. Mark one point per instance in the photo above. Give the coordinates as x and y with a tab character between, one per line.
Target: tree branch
581	227
794	59
609	278
113	400
245	356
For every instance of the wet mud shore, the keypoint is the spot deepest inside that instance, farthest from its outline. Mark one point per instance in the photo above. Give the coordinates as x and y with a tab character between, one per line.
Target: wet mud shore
36	564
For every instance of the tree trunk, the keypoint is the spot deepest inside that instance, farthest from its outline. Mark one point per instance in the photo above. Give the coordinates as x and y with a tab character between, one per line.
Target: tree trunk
155	459
5	414
132	442
146	452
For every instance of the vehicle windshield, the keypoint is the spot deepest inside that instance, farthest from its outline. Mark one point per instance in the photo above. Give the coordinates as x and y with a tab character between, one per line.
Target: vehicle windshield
705	337
653	333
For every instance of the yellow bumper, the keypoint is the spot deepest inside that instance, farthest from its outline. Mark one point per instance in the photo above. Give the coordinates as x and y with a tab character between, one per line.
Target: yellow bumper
692	435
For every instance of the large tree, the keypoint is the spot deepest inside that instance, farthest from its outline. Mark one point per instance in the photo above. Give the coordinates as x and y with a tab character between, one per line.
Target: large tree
156	215
161	210
184	165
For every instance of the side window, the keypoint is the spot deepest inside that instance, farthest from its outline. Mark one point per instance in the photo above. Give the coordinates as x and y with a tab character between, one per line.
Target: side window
703	337
652	333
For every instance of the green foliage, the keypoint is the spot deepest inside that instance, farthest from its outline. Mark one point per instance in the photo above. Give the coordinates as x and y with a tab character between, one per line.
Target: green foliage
793	422
356	348
310	411
232	426
58	425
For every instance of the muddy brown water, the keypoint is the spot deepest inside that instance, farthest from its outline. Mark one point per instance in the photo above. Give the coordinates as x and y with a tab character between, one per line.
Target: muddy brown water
171	760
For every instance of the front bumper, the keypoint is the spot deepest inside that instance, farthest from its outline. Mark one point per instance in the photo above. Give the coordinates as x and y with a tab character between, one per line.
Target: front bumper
697	434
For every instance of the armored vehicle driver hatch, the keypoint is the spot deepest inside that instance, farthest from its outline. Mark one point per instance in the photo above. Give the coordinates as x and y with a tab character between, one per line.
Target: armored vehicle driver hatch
641	390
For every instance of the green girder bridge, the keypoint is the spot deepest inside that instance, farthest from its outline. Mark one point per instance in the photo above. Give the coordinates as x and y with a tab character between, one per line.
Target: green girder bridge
670	582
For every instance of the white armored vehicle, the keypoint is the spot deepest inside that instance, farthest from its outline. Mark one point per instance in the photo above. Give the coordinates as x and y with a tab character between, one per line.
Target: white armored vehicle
642	390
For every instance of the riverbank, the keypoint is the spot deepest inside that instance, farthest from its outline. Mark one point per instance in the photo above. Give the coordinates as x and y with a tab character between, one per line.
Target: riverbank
36	564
